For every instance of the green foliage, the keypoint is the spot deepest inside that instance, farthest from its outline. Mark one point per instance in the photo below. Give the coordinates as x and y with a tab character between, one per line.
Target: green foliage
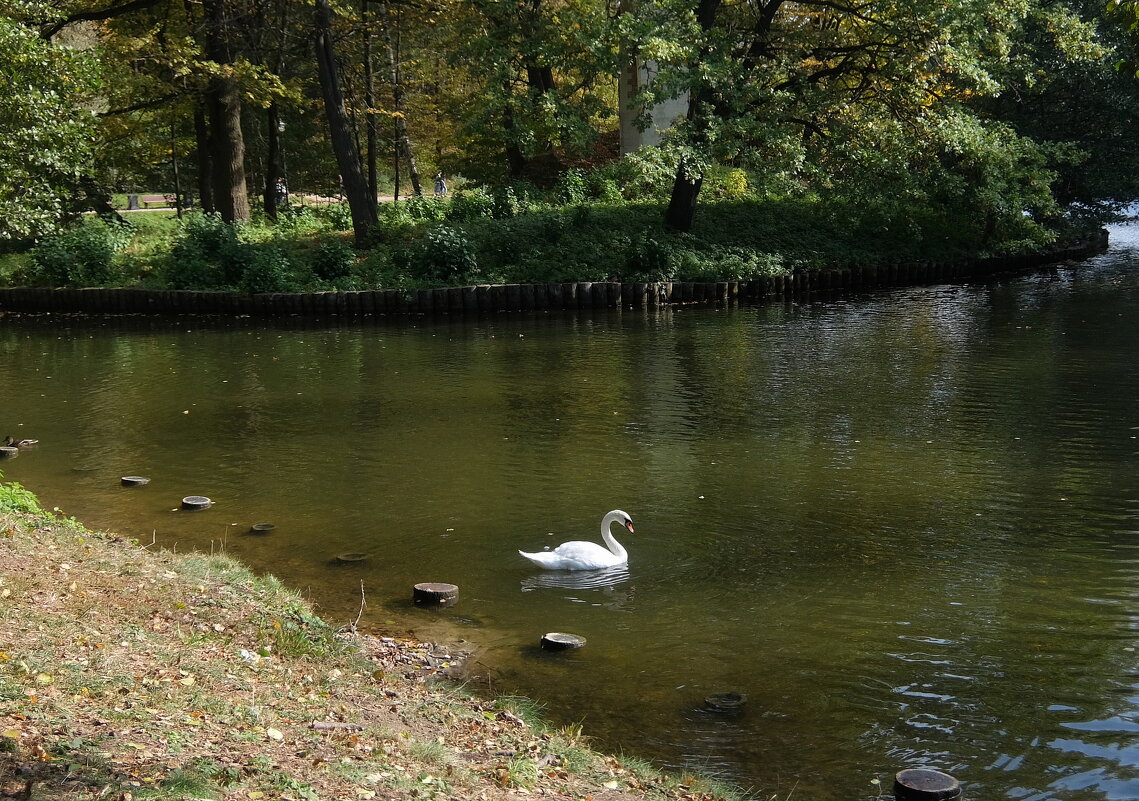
337	216
14	498
265	268
303	220
571	187
645	174
649	259
725	183
45	129
83	255
426	209
206	254
445	256
507	202
211	254
333	260
471	204
605	190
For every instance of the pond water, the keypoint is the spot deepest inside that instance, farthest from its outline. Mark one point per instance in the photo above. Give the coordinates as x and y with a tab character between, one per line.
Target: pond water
904	525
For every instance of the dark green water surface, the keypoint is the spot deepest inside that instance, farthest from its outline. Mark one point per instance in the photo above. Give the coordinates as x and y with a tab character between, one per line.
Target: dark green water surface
904	525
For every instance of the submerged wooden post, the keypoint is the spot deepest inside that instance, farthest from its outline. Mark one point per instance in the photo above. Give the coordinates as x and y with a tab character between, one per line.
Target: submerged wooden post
556	296
560	641
925	784
436	594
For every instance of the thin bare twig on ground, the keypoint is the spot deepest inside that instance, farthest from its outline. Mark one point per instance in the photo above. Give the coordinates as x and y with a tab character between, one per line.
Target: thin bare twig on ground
360	614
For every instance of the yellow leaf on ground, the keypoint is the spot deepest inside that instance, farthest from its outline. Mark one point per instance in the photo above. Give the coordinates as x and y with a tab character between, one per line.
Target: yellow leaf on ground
274	734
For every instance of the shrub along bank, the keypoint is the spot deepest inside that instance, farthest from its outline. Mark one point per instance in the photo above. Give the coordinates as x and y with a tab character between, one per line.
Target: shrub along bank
129	673
583	230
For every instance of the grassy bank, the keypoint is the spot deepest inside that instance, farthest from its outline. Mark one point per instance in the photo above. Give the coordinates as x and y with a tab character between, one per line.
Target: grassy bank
132	673
503	236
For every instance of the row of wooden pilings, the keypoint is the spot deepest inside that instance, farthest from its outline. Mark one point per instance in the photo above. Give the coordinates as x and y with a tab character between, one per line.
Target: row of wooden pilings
489	298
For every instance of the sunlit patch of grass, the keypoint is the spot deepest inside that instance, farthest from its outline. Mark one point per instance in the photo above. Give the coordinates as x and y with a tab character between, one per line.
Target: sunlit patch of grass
526	709
646	775
430	752
568	745
522	771
181	784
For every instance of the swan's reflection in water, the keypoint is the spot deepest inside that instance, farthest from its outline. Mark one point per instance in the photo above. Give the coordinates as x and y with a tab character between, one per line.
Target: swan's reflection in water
577	579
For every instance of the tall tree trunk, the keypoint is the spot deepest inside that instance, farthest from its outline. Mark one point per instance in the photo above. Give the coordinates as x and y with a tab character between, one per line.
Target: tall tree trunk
515	158
539	78
227	151
223	108
273	169
395	160
178	198
369	104
98	198
681	209
403	138
205	168
343	145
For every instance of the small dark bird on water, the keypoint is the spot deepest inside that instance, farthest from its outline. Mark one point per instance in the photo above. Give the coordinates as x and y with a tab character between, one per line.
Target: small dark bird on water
12	442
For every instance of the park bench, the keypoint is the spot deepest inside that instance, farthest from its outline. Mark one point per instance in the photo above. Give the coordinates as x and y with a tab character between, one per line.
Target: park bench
135	202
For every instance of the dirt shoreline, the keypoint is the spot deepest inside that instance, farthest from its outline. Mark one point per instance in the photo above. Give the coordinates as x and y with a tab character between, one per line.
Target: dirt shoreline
129	673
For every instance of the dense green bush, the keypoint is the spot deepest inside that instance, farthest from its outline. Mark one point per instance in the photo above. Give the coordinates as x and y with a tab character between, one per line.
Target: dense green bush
725	183
206	254
507	203
333	260
513	232
649	258
15	499
445	256
266	269
605	190
83	255
337	216
302	220
470	204
426	209
646	174
571	187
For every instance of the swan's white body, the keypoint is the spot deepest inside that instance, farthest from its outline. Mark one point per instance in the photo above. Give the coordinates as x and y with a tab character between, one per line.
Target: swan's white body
581	555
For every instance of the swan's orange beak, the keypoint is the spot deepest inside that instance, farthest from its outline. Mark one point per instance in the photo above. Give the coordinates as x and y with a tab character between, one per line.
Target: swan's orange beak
629	525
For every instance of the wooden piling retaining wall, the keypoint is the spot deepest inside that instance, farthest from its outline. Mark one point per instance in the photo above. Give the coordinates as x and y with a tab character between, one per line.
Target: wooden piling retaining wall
523	297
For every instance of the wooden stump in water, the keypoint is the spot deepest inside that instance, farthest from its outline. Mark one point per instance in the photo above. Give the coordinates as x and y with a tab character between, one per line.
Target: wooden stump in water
560	641
261	528
134	481
725	702
8	453
436	594
925	784
196	502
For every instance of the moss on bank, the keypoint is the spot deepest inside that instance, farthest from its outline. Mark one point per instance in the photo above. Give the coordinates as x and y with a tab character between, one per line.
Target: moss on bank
128	673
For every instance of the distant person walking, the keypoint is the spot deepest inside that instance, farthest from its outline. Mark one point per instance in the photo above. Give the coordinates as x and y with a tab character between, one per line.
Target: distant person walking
440	185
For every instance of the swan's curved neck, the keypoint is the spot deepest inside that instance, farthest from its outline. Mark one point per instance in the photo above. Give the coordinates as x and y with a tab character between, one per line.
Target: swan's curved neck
616	548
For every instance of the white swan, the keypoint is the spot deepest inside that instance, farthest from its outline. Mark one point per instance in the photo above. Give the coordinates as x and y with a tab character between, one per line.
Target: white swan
580	555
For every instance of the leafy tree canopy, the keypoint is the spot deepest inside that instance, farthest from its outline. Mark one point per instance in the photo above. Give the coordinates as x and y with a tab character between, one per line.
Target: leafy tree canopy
46	128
